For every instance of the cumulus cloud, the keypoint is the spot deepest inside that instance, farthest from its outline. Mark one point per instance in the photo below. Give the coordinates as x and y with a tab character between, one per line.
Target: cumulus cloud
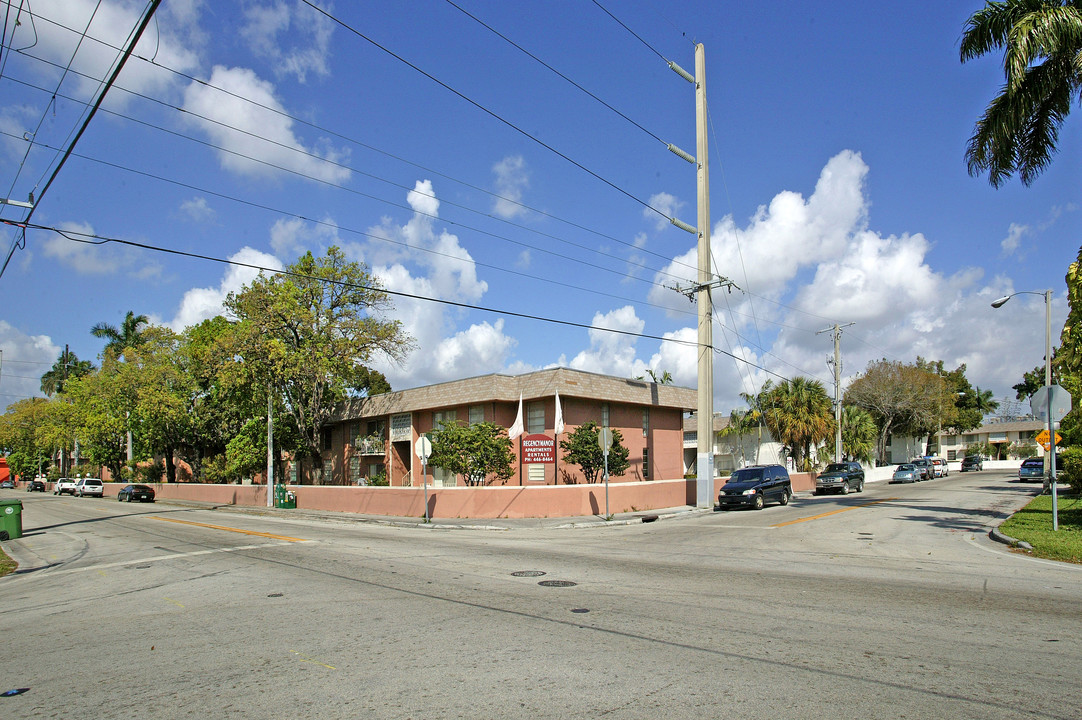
668	204
512	179
255	132
292	38
198	210
612	348
26	359
88	259
1015	233
199	304
292	237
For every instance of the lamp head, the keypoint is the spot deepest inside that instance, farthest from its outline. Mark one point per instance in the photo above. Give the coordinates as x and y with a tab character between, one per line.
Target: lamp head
1001	301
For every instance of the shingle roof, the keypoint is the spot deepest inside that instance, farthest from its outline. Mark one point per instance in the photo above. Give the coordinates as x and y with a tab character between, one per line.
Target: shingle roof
532	386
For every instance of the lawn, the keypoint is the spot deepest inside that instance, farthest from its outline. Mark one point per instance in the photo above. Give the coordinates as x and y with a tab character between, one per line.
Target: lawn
1033	524
7	565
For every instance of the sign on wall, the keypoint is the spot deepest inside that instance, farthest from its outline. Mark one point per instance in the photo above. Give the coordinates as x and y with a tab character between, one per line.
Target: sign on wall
538	449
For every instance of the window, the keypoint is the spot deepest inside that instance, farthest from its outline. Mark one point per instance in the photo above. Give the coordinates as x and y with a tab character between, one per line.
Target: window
646	463
354	469
441	417
645	422
604	414
354	433
477	414
326	438
535	417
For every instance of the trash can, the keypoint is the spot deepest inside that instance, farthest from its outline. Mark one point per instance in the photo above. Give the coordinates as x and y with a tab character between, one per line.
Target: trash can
11	519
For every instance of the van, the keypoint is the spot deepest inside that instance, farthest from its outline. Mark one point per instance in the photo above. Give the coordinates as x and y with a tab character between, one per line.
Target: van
89	486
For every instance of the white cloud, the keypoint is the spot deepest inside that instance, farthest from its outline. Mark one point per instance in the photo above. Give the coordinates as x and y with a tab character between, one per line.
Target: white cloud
669	205
25	359
255	130
292	237
291	37
199	304
512	179
198	210
92	259
612	353
1015	233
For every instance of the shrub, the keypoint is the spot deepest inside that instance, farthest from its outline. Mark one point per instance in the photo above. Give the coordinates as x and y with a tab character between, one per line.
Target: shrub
1069	468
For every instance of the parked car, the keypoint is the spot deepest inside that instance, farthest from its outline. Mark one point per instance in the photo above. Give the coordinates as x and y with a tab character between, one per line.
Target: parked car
939	465
972	462
142	493
89	486
755	486
35	486
65	485
840	477
925	466
1032	469
906	473
7	485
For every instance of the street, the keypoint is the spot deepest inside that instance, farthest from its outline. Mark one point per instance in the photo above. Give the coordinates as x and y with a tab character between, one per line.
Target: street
889	603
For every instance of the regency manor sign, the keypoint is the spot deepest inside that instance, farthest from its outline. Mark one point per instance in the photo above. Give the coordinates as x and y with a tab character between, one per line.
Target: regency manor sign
538	449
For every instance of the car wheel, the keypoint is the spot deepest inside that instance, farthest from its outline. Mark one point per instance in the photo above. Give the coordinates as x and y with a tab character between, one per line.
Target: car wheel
845	488
860	486
785	497
758	502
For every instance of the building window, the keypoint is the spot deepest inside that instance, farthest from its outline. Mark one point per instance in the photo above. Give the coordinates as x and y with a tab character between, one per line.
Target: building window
354	470
443	417
646	463
535	417
354	433
645	422
326	438
604	414
477	414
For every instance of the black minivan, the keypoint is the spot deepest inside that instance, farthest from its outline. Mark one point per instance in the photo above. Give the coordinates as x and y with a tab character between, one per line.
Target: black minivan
755	486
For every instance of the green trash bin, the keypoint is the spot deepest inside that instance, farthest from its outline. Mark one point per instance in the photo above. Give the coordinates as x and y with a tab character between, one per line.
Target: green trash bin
11	519
283	498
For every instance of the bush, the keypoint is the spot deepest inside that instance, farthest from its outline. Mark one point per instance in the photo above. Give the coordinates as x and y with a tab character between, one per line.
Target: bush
151	472
1069	468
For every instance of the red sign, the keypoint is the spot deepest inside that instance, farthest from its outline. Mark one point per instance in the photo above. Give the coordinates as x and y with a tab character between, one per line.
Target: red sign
538	449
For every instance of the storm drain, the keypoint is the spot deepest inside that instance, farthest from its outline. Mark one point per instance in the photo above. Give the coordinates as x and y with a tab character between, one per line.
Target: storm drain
557	583
528	573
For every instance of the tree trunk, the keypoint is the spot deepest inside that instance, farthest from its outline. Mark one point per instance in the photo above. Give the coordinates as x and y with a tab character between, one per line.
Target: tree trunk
170	466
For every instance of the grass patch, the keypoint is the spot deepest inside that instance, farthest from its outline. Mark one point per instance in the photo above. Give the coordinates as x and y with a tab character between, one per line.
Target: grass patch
1033	524
7	565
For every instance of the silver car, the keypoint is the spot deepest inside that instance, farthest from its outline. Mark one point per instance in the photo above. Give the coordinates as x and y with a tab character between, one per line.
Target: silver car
906	473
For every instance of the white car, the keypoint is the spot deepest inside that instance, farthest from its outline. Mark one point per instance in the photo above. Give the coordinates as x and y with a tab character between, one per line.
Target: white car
89	486
65	485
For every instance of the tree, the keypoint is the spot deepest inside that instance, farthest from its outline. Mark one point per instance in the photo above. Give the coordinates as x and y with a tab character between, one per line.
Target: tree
128	335
858	434
67	367
582	448
20	436
1041	42
476	452
309	333
741	422
900	397
798	413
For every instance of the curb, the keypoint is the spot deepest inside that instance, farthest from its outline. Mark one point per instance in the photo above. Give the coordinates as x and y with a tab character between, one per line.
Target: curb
999	537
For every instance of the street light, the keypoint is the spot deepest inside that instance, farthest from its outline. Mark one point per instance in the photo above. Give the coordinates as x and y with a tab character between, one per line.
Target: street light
1048	383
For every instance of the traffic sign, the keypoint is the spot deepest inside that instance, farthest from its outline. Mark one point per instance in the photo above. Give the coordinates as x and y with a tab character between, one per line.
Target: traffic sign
604	439
1061	403
424	448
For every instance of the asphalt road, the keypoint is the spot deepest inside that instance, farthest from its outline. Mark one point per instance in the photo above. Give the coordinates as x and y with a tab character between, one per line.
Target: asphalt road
892	603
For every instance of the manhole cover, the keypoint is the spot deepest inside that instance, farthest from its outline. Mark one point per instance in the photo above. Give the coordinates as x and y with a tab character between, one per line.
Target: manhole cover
579	610
528	573
276	595
557	583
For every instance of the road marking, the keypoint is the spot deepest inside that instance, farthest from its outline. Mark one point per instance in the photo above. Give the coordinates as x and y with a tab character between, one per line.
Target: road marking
159	558
314	662
172	601
229	529
834	512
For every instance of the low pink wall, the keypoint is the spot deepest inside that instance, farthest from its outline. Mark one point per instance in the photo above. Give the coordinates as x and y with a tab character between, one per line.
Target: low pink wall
462	502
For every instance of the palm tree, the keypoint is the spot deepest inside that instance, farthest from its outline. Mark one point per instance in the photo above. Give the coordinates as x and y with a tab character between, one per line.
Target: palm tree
1042	42
798	413
985	403
859	434
66	367
127	335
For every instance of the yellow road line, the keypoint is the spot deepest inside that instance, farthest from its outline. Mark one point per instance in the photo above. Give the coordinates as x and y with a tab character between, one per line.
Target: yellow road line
834	512
229	529
314	662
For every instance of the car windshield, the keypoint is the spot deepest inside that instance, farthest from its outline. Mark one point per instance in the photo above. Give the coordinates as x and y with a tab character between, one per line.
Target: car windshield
906	468
835	467
747	475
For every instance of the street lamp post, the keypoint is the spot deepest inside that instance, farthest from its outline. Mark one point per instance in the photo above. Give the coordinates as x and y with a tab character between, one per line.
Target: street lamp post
1048	384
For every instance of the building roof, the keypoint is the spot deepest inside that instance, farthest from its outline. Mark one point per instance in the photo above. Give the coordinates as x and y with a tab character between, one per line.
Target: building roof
1002	427
721	421
531	386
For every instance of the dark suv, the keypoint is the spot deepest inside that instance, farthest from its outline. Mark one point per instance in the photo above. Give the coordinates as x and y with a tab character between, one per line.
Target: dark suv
840	477
972	462
755	486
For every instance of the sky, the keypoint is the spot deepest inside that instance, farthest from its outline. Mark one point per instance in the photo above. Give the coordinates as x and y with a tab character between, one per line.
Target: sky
502	169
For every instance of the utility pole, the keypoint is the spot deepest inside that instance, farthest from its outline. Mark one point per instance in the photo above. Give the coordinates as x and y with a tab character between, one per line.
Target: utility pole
837	332
270	446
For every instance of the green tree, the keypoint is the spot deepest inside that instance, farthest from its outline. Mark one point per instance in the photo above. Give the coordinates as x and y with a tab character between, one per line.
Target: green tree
101	402
476	452
309	332
900	397
741	423
582	448
128	335
858	434
67	367
21	437
798	413
1041	42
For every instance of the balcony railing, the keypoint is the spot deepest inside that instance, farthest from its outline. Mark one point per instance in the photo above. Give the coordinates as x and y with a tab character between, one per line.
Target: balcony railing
369	446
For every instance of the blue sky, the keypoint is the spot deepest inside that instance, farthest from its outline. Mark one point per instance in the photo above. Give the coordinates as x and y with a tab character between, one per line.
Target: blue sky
458	167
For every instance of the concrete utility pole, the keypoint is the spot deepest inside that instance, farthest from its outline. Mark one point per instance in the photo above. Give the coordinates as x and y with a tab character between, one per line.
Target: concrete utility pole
270	446
837	332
